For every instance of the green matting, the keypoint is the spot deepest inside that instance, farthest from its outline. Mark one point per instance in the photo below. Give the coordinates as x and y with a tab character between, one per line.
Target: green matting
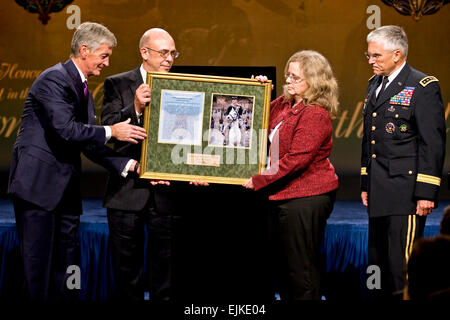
159	154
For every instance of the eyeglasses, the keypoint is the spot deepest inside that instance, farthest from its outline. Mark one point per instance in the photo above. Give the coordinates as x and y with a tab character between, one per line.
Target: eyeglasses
293	78
165	53
376	56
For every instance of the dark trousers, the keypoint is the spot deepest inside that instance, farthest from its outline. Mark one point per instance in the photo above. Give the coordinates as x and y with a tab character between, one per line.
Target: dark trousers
49	244
127	239
299	227
391	239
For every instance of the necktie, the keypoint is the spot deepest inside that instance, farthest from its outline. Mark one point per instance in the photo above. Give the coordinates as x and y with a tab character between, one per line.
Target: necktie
85	91
383	86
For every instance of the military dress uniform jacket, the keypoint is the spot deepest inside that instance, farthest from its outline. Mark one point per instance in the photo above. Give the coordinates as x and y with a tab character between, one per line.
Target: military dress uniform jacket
403	145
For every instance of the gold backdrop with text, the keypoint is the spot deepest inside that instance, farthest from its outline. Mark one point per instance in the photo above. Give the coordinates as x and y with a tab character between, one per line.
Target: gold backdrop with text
222	33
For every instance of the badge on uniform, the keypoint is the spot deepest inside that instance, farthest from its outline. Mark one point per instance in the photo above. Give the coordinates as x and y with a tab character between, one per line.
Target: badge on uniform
390	127
403	97
403	128
391	109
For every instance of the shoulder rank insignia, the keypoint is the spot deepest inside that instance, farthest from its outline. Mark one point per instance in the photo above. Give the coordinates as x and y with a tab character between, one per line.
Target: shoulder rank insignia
427	80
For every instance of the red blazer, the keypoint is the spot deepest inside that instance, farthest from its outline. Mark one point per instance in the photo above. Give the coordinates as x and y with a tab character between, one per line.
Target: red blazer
304	142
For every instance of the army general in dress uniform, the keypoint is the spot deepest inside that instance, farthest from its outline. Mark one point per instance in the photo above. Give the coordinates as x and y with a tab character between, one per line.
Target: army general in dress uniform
403	151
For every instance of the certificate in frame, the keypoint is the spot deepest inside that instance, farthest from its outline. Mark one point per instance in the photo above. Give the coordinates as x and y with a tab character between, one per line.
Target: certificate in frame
207	128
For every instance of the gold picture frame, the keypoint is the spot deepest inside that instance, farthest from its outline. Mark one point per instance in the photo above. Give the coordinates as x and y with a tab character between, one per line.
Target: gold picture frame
207	128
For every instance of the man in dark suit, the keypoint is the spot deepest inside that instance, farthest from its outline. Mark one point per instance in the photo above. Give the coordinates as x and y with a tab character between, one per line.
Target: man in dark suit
133	204
403	151
58	123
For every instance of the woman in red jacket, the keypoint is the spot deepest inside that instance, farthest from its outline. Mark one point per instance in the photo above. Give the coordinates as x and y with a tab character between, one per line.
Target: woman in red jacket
299	177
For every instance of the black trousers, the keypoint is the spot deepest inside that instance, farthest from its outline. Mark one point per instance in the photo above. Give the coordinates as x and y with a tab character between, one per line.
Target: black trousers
391	239
49	244
299	226
221	246
127	239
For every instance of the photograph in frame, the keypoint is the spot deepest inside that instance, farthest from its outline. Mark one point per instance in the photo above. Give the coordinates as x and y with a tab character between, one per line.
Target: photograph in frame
231	121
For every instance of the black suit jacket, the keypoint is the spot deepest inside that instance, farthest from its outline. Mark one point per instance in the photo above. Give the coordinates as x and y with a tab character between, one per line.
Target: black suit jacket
57	125
403	145
129	193
132	193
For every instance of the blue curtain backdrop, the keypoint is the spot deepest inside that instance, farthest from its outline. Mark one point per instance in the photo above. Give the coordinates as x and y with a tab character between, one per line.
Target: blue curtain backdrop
344	249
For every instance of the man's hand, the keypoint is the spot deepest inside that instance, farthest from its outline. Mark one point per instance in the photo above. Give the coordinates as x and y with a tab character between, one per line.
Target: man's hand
249	184
142	97
424	207
133	167
156	182
124	131
364	198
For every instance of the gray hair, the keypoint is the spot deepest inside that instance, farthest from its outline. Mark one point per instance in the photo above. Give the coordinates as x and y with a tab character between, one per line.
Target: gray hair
392	37
92	35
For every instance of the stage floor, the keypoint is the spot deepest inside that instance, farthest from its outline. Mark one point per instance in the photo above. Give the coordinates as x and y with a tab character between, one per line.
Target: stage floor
345	212
230	255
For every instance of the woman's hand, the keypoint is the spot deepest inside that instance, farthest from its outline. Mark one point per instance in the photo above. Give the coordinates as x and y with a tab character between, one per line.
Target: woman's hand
249	184
261	79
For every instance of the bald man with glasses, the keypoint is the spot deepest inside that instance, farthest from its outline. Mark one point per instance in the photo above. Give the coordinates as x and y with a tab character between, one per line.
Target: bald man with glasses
134	204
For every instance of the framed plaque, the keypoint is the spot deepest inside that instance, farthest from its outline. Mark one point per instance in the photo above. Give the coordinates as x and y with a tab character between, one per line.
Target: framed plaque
207	128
